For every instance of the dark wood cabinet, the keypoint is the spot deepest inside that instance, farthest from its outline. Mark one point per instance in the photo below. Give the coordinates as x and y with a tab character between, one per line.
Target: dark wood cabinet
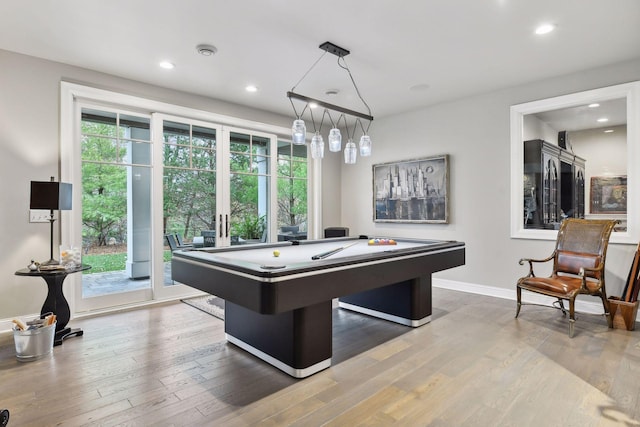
553	185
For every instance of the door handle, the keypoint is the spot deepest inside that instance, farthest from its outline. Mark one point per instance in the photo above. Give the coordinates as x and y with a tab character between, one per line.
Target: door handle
220	226
226	221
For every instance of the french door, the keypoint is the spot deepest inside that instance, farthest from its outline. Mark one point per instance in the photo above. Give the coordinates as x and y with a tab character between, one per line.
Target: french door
146	179
217	184
139	176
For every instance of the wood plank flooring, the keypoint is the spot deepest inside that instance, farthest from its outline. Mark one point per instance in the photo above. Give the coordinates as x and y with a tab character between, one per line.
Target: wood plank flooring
473	365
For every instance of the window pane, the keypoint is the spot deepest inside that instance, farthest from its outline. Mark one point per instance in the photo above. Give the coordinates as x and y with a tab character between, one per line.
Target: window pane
260	145
284	168
99	149
135	152
240	142
203	158
292	202
98	123
299	170
190	181
138	127
299	152
240	162
189	201
203	137
260	165
176	155
177	133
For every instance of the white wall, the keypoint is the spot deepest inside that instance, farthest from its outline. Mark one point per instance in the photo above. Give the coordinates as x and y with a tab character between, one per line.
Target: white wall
475	133
534	128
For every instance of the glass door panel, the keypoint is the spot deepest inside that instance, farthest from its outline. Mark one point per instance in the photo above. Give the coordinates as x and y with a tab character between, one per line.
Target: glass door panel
116	208
249	201
190	187
292	191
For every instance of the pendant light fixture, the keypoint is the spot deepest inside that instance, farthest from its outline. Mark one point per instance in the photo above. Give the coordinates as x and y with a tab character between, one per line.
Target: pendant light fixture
298	129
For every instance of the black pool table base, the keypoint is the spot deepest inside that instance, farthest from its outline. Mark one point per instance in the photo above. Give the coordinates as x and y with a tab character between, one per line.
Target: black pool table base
298	342
414	323
294	372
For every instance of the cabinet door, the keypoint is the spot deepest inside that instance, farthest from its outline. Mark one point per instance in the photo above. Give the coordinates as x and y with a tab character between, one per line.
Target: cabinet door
550	189
579	191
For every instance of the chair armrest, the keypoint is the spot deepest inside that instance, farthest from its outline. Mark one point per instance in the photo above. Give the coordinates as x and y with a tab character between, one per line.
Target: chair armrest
583	275
532	260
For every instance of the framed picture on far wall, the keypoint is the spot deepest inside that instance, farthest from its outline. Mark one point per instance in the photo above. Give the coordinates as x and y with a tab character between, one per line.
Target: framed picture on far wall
412	191
608	195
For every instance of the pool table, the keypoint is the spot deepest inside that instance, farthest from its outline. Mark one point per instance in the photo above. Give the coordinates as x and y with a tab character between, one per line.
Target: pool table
278	296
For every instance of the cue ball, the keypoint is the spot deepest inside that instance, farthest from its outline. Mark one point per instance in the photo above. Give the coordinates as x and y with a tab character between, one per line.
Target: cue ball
276	253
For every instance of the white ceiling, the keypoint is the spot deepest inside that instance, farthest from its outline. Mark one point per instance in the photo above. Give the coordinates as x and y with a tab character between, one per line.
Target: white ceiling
457	48
584	117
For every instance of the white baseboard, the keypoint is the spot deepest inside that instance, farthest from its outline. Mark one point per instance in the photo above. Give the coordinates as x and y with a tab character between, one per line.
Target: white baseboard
6	325
592	307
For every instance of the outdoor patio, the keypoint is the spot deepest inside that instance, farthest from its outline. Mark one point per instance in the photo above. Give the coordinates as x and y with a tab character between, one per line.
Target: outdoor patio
96	284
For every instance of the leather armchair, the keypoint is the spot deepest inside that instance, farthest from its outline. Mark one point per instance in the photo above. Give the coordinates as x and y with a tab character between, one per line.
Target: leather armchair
578	266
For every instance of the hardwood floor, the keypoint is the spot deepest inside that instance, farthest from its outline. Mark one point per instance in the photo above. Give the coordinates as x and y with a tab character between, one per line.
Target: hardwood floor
473	365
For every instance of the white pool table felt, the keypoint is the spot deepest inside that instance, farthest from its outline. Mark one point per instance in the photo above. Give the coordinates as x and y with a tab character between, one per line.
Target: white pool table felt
291	255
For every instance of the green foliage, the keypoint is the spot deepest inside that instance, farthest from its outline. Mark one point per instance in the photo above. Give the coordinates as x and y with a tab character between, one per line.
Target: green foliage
249	227
105	262
292	193
101	263
104	186
190	182
189	201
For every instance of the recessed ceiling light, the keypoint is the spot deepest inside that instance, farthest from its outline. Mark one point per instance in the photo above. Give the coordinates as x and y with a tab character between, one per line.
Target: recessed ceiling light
206	49
603	120
313	105
608	131
594	105
167	65
545	29
251	88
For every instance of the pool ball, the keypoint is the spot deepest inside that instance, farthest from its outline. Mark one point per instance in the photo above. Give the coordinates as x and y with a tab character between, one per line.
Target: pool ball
276	253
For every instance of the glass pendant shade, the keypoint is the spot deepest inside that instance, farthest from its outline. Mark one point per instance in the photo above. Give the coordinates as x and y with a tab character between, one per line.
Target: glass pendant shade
317	146
298	132
335	140
365	145
350	153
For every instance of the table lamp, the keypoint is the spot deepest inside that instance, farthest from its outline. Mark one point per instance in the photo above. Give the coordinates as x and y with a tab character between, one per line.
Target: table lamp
53	196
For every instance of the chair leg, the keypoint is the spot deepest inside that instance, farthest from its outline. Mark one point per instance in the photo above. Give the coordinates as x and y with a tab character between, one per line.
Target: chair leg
572	317
519	298
607	312
561	305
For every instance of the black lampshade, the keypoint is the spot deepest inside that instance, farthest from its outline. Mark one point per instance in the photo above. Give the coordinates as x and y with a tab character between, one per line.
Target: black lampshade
50	195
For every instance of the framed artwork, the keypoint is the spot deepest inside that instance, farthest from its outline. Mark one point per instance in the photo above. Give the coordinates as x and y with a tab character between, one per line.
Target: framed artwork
608	195
412	191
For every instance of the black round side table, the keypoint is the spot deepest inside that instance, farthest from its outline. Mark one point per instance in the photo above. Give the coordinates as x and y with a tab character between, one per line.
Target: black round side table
56	302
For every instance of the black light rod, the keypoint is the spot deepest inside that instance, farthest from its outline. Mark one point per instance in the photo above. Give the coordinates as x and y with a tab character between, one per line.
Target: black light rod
329	106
